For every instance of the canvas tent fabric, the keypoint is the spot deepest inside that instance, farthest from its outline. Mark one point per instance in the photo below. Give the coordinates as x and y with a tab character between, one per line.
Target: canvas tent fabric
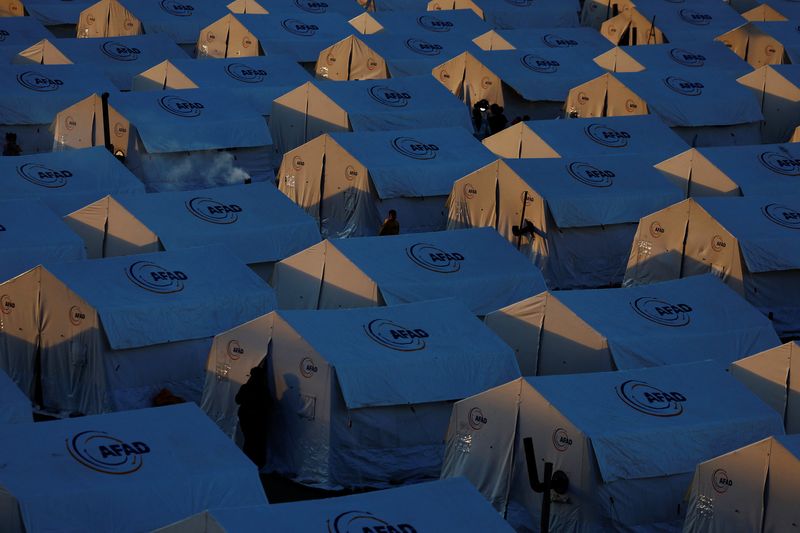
136	471
349	181
54	13
644	135
583	211
690	105
749	489
445	505
342	377
689	55
587	40
461	22
19	32
764	43
257	223
111	333
397	104
778	89
305	7
681	321
510	14
15	407
476	266
417	52
68	180
350	59
31	234
769	374
749	242
628	469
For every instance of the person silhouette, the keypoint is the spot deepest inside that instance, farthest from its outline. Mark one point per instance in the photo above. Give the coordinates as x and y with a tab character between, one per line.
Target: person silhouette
390	225
255	404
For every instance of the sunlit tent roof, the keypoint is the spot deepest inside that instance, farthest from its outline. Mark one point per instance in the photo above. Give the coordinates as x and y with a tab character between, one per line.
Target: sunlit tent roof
435	506
119	59
30	234
588	40
694	56
20	32
68	180
504	14
416	52
15	407
124	463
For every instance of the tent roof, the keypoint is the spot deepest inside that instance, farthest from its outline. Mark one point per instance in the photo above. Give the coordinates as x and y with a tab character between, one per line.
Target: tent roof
767	228
34	94
22	31
791	443
416	52
760	169
503	14
791	72
457	357
14	405
411	267
181	20
588	40
694	55
703	99
678	321
30	234
598	190
415	163
700	20
56	12
312	7
192	119
68	180
256	221
463	22
59	475
644	434
301	37
144	300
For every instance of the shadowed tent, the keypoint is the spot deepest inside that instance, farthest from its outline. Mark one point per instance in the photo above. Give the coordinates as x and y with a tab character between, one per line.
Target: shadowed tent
764	43
351	59
587	40
777	87
15	407
692	56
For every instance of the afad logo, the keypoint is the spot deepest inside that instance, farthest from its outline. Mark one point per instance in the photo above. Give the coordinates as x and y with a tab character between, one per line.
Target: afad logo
684	87
606	136
650	400
180	107
154	278
695	17
244	73
76	315
656	230
4	35
718	244
470	191
561	440
662	312
431	23
411	147
423	47
38	82
591	175
782	215
7	305
365	522
520	3
308	368
720	481
234	350
177	9
780	163
119	51
392	335
210	210
312	7
686	58
300	28
388	96
434	259
101	452
540	64
555	41
476	418
43	176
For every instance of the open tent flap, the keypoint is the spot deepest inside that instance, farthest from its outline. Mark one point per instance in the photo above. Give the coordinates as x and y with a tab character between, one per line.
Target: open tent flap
659	421
407	354
477	266
168	296
415	163
15	407
598	190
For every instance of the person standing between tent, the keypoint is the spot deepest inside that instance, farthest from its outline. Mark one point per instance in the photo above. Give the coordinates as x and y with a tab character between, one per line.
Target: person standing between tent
11	147
479	118
255	404
390	225
497	120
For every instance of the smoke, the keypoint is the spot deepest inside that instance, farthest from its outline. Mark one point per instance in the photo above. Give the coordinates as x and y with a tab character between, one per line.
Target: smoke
198	170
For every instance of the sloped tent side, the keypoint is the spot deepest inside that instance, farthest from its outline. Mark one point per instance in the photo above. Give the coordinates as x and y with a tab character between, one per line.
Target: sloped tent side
42	53
227	37
81	126
351	59
519	142
303	114
162	76
473	200
298	279
520	326
20	318
108	18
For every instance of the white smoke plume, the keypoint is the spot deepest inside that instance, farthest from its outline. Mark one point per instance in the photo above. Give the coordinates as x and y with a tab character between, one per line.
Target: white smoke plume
199	170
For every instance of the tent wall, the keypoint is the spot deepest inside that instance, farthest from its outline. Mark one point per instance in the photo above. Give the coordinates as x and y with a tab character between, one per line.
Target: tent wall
163	76
351	59
227	37
631	28
19	336
754	46
519	142
81	126
345	285
604	96
709	247
784	470
520	326
657	250
303	114
298	279
108	18
42	53
697	176
473	201
780	103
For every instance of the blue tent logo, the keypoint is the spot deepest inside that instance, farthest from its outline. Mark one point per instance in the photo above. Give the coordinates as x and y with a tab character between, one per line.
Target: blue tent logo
180	107
415	149
38	82
591	175
120	52
392	335
101	452
434	259
363	521
154	278
606	136
650	400
43	176
210	210
388	96
662	312
782	215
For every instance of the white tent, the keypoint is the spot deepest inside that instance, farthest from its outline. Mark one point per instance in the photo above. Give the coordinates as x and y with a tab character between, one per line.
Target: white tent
752	489
341	377
31	234
349	181
446	505
66	181
764	43
627	441
176	140
754	170
125	472
587	40
566	332
689	55
773	376
705	109
350	59
258	223
18	32
750	242
524	82
119	59
581	214
777	87
111	333
476	266
34	94
408	103
15	407
644	135
415	52
507	14
462	22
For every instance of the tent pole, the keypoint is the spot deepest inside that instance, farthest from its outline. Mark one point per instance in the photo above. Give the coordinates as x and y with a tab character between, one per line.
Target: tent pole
106	129
522	219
